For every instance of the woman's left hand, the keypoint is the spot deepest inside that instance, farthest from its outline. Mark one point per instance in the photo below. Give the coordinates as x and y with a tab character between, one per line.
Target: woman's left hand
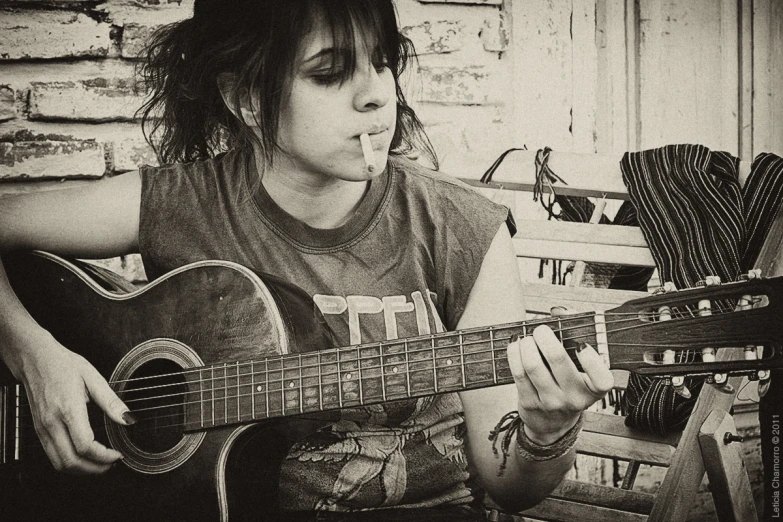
552	399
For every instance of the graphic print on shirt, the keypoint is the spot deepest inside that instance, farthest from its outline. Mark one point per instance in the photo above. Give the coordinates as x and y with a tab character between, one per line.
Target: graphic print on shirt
373	457
390	306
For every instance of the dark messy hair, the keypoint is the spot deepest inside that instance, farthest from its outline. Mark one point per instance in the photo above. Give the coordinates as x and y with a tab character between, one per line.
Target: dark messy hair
255	42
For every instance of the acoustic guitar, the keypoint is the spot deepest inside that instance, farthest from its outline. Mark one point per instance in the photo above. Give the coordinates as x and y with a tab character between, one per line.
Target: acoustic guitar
225	369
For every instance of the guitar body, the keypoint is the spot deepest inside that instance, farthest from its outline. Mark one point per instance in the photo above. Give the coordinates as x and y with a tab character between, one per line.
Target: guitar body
203	314
204	353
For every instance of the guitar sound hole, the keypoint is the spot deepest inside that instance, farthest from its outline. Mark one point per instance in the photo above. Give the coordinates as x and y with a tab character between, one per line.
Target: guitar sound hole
156	396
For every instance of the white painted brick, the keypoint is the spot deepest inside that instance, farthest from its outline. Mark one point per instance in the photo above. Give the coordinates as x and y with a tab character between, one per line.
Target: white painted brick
436	37
134	38
494	37
51	34
139	19
456	85
7	106
132	154
51	159
95	99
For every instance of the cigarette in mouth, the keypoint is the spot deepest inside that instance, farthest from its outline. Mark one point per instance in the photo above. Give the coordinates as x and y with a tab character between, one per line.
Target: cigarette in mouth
369	155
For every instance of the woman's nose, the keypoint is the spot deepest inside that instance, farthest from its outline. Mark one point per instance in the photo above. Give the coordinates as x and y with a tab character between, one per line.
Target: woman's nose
374	89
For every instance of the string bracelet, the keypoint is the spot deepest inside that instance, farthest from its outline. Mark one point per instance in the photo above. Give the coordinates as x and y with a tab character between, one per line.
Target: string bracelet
527	449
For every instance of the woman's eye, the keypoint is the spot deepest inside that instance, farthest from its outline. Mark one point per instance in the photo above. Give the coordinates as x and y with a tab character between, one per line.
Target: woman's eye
381	66
327	78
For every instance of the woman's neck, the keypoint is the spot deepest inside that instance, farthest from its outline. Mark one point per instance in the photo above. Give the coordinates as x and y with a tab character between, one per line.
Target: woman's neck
318	201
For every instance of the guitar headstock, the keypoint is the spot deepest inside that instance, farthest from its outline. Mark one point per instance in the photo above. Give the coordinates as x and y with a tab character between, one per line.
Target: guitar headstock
687	332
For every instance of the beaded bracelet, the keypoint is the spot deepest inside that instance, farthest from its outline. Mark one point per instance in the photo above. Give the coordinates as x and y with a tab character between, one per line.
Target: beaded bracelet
526	448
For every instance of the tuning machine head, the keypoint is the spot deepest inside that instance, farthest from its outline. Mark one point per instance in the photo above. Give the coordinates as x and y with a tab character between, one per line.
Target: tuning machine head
710	280
751	274
678	383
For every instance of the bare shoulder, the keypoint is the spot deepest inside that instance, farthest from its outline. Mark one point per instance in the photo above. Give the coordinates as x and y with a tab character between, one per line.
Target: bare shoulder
497	294
95	219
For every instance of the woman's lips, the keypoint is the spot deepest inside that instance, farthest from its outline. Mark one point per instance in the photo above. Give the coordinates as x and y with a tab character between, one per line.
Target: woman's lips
378	138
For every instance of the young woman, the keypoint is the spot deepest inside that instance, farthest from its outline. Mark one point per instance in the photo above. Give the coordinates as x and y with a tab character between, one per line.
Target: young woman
288	88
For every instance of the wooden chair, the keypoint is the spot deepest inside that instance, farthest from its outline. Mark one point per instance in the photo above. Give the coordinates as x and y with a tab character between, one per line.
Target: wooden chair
700	447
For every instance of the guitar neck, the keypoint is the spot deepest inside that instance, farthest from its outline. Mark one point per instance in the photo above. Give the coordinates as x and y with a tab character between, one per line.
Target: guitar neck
246	391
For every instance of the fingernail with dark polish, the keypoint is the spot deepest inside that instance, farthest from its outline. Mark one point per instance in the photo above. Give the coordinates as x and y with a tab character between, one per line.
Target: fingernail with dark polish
580	345
514	338
129	419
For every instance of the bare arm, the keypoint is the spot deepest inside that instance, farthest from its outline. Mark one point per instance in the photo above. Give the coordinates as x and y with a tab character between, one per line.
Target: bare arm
549	407
101	220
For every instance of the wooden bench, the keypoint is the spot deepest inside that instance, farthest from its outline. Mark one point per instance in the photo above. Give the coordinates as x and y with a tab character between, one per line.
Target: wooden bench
688	455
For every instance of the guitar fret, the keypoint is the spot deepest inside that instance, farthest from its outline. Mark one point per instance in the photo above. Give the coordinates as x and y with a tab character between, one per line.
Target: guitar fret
301	387
359	374
225	392
252	389
320	384
383	372
407	369
201	394
601	342
462	361
434	365
239	394
266	386
17	429
282	386
212	384
492	352
339	380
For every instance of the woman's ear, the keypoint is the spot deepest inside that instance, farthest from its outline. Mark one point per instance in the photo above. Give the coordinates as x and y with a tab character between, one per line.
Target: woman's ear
238	104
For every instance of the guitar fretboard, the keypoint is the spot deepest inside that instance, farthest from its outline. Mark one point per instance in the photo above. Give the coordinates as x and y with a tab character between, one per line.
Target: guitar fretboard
247	391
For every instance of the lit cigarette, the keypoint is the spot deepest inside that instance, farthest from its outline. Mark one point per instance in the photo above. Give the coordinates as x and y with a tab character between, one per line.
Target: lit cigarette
369	155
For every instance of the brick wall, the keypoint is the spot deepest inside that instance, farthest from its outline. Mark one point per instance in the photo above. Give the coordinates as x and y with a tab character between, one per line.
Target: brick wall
67	96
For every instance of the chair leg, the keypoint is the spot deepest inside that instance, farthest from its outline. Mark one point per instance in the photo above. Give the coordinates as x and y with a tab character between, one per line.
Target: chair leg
630	474
726	471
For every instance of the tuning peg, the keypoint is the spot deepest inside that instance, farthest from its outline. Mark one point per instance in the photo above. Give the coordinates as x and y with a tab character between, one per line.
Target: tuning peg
729	437
721	381
752	274
710	280
667	288
678	383
764	382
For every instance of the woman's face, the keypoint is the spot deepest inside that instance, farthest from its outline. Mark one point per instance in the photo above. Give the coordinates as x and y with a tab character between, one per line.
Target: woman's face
321	120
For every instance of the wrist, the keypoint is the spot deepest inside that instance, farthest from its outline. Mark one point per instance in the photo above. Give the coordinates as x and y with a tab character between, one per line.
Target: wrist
19	341
545	438
529	449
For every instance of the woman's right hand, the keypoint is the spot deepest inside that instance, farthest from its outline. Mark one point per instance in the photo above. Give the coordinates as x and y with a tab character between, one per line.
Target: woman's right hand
59	384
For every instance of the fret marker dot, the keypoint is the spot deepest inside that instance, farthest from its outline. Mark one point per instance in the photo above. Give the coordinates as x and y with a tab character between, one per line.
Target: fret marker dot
449	362
291	384
347	376
259	389
395	369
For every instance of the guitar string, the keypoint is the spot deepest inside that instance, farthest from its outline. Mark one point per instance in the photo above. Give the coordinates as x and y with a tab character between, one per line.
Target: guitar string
357	361
271	414
565	318
362	357
391	343
336	352
224	400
